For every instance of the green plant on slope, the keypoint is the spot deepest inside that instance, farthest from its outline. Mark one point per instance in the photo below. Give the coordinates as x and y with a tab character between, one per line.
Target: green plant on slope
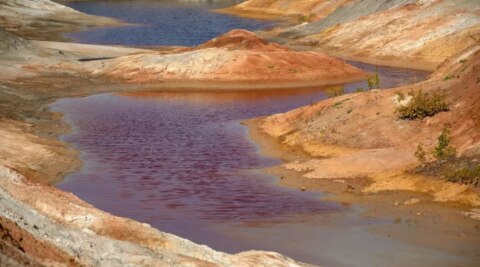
400	96
464	175
374	80
421	155
306	18
422	105
335	91
443	151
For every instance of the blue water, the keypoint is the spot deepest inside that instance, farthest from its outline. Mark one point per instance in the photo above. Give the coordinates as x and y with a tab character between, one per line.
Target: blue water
162	23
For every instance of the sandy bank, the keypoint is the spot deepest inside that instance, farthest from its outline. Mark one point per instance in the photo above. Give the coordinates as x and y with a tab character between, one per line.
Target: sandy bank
360	136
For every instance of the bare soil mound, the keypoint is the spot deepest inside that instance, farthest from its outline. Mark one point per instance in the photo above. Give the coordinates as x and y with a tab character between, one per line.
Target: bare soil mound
239	57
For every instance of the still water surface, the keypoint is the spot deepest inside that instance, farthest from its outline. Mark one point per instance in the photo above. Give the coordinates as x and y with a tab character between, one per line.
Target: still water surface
162	22
183	163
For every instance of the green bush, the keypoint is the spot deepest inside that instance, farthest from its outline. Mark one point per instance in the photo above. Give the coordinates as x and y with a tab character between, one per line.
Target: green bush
400	96
443	151
374	80
335	91
422	105
421	155
464	175
306	18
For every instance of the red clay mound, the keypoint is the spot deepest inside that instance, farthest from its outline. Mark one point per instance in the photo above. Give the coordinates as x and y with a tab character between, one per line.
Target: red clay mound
241	40
238	59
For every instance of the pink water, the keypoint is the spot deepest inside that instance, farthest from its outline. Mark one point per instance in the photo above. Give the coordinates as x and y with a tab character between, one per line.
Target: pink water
183	163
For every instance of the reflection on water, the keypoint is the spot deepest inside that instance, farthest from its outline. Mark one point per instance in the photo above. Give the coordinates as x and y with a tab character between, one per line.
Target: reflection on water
182	163
158	23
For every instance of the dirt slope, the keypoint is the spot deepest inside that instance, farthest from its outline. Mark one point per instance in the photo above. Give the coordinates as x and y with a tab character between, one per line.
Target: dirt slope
302	10
418	34
238	58
360	135
44	19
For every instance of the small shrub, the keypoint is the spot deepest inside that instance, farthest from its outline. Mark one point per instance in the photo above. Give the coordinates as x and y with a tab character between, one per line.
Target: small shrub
294	70
400	96
421	155
337	105
359	90
443	151
335	91
306	18
464	175
374	80
448	77
422	105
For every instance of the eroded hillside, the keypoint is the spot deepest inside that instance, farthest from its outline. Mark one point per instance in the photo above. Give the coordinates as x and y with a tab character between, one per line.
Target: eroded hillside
45	19
362	135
